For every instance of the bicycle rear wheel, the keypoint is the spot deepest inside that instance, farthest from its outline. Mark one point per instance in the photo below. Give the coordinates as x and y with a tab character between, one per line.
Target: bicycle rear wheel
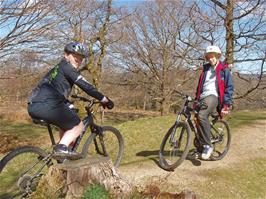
20	171
175	146
220	138
109	144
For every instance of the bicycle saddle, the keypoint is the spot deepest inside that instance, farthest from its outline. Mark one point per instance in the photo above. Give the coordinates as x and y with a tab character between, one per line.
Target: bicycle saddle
40	121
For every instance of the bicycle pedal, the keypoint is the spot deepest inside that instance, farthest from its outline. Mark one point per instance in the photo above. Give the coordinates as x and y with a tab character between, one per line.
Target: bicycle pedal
195	155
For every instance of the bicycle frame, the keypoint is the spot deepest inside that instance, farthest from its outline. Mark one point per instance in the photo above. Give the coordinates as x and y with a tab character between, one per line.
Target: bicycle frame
88	121
177	142
186	112
39	159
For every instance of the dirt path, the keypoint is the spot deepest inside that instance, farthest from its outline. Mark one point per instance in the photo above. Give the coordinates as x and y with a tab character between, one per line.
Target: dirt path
251	144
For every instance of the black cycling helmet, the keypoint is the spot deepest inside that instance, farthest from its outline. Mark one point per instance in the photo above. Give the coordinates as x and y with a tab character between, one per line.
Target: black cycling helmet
76	48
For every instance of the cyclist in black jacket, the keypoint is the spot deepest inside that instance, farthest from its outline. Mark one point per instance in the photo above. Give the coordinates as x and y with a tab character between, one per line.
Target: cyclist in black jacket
48	100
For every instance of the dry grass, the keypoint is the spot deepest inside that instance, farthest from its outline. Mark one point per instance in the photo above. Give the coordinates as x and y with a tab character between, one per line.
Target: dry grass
14	113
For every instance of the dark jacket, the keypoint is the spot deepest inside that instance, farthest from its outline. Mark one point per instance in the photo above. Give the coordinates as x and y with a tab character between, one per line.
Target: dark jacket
224	84
58	82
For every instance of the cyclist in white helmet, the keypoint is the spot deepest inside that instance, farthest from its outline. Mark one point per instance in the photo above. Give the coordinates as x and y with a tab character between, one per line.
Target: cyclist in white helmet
215	89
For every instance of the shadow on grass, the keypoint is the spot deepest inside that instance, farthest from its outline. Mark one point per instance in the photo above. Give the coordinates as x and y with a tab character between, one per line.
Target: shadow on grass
193	160
153	153
190	157
148	153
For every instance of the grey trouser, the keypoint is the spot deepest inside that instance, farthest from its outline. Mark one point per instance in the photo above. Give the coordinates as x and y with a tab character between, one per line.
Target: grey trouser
212	102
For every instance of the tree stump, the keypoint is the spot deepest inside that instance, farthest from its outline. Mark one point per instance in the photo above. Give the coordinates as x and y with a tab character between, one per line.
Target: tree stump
71	179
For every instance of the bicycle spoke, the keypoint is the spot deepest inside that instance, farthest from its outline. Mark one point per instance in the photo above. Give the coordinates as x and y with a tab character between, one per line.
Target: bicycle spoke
21	174
109	144
175	146
220	136
173	151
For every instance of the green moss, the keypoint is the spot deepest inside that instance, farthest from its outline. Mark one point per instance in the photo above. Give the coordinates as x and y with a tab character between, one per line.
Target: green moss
96	192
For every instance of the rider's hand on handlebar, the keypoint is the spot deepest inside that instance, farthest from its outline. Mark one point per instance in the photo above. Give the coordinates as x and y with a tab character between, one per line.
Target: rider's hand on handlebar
225	110
107	103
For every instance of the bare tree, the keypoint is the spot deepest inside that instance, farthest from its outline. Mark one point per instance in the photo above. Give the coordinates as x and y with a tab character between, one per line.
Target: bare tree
37	28
159	47
243	32
89	22
22	25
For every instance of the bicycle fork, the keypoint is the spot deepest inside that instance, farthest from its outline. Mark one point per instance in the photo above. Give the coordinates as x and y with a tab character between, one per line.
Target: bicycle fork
173	142
99	132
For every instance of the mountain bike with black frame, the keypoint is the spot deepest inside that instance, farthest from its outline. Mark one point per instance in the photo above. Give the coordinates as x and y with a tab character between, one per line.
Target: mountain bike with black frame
21	169
176	144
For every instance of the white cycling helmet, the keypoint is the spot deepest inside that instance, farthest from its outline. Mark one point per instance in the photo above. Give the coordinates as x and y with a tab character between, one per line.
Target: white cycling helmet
213	49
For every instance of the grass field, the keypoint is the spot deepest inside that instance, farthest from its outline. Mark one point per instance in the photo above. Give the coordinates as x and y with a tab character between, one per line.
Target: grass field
143	136
142	141
245	180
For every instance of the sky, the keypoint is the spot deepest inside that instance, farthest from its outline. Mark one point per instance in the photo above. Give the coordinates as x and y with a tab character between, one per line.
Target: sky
128	3
131	4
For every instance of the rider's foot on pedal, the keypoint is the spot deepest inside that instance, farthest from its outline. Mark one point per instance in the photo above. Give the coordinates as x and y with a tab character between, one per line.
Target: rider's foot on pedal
207	151
61	150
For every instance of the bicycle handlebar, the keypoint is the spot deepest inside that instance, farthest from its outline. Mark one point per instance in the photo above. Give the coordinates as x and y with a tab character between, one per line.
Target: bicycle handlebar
185	96
84	99
201	105
189	98
91	102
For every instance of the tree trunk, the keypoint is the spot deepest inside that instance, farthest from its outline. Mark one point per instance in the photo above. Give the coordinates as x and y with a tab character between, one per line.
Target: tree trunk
229	57
71	179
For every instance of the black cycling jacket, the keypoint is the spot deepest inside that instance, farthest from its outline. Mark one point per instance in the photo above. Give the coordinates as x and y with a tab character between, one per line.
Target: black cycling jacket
58	82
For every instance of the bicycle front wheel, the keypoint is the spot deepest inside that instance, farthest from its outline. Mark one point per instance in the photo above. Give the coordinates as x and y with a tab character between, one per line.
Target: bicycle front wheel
109	144
175	146
220	138
20	171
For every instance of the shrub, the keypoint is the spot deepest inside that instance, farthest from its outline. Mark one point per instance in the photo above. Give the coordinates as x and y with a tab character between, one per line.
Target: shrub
96	192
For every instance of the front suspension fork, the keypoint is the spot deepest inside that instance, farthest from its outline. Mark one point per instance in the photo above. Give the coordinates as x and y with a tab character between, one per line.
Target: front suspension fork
99	132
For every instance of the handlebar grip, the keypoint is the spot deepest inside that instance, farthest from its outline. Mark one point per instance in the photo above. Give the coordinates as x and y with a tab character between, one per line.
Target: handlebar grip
110	105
